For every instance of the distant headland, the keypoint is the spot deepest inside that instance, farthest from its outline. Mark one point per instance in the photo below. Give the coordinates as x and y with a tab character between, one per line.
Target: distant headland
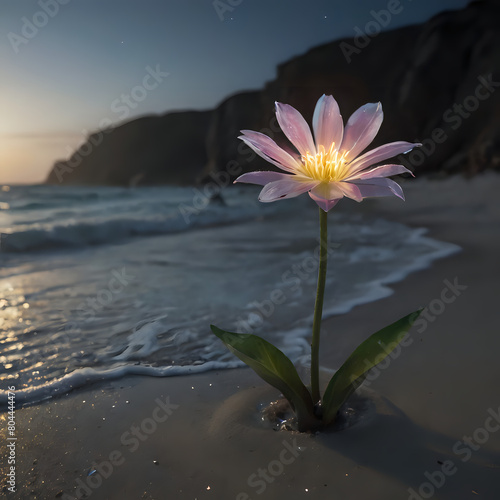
438	83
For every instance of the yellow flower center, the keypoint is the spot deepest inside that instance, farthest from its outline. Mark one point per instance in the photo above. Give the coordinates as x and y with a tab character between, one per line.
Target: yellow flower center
326	166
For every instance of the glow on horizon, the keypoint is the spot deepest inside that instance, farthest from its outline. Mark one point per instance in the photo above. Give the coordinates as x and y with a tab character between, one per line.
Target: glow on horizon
28	159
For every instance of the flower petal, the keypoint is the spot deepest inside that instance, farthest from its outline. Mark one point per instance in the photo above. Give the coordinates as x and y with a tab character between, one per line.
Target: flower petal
361	129
322	203
295	128
327	123
265	147
379	187
285	188
351	191
261	177
382	171
380	154
328	191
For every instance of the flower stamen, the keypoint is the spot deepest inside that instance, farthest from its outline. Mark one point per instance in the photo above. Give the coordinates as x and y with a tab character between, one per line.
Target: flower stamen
326	166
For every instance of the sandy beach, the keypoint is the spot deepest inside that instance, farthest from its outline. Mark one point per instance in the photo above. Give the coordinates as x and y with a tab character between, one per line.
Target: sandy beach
429	428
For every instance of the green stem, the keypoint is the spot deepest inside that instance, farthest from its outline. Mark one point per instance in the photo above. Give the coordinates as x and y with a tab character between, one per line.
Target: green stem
318	307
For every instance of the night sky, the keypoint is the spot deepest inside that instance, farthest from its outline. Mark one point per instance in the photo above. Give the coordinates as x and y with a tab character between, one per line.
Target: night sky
72	67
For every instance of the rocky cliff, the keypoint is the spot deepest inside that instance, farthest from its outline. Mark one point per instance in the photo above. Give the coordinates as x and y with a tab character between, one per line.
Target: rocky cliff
167	149
438	83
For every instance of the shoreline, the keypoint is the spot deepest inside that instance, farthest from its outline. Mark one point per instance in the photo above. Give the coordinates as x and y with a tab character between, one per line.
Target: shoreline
368	254
440	388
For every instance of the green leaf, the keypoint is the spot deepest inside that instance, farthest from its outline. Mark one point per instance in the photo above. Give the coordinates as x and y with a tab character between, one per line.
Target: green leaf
367	355
274	367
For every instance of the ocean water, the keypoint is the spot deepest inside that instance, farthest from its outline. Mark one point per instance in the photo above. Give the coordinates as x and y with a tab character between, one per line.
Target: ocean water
98	283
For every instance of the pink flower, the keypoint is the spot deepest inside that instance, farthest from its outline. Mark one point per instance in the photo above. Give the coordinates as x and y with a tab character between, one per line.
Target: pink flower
329	167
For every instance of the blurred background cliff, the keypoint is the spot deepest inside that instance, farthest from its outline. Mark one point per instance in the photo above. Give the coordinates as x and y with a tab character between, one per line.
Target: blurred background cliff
438	83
